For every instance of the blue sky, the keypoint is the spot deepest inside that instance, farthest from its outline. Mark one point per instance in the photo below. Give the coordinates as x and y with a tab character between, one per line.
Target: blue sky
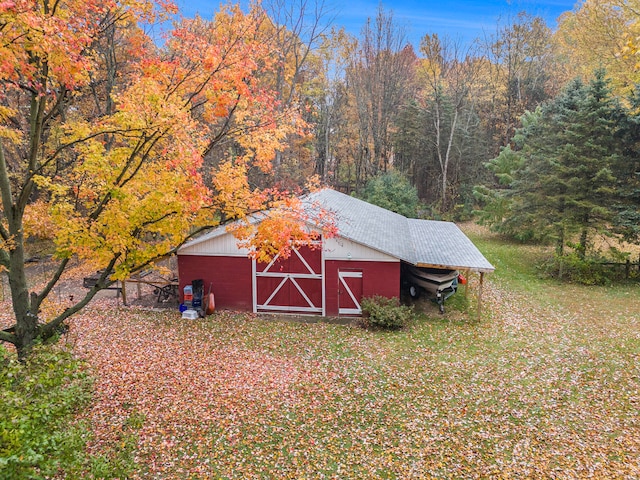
459	19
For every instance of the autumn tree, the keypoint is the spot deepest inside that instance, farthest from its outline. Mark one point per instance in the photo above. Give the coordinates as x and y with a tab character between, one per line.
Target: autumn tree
519	73
379	77
412	148
446	75
295	30
330	98
103	136
600	34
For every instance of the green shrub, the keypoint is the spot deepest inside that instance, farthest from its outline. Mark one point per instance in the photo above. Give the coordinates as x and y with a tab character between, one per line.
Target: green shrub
39	398
40	436
383	312
584	271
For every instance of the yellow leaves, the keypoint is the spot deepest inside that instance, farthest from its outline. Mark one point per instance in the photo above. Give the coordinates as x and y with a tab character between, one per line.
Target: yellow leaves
138	197
146	105
597	35
266	132
7	245
631	46
5	131
233	196
121	171
313	183
56	38
50	184
151	12
432	48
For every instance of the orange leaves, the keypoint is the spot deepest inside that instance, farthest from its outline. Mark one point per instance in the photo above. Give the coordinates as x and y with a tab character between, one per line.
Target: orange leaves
38	221
108	130
229	64
45	47
276	234
238	397
288	222
151	11
217	57
133	183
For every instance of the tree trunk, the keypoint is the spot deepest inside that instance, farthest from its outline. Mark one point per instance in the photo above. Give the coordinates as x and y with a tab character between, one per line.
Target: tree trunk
560	251
560	242
26	321
584	238
447	157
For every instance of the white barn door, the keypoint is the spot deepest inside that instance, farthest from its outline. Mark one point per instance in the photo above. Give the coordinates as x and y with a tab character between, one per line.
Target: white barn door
290	285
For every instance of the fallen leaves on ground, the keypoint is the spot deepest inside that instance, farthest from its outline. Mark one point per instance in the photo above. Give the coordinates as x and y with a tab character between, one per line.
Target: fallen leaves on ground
538	389
528	393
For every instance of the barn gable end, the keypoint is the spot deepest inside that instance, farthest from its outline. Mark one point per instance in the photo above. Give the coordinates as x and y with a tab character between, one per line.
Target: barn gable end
219	242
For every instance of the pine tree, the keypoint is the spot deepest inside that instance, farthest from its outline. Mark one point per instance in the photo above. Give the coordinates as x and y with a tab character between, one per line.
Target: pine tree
562	185
627	172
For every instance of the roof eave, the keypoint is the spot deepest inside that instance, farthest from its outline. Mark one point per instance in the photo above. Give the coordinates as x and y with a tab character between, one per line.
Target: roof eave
456	267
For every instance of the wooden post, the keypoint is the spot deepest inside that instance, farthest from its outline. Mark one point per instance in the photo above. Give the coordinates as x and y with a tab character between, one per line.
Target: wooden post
627	269
480	296
124	292
467	274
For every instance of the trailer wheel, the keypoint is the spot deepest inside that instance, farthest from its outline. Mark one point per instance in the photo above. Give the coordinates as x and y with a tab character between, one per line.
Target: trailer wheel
440	301
414	291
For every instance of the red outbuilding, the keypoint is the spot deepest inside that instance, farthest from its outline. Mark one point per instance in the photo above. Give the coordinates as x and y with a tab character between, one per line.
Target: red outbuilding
329	279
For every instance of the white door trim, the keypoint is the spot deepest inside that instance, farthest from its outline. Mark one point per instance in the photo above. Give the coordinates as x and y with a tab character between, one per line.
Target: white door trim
349	311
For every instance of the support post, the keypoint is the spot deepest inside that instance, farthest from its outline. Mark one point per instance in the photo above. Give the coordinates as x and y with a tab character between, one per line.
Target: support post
467	275
627	269
480	296
123	289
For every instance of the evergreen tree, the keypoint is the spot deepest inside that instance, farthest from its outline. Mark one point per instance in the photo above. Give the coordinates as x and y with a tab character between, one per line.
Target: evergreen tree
562	186
392	191
497	205
627	172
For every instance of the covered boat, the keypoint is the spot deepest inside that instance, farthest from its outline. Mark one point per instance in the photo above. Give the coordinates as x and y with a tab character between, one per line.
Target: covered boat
438	284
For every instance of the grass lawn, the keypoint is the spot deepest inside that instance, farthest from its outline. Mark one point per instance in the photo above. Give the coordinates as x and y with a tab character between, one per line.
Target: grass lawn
546	385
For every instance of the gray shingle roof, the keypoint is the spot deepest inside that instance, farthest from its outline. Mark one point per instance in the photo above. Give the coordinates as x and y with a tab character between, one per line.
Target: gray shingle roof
419	242
365	223
443	244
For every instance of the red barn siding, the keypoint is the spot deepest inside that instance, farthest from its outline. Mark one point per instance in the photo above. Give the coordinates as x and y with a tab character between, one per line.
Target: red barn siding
378	278
232	283
229	277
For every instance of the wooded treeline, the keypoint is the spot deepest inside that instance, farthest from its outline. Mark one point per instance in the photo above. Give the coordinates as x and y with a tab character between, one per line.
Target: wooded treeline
438	114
